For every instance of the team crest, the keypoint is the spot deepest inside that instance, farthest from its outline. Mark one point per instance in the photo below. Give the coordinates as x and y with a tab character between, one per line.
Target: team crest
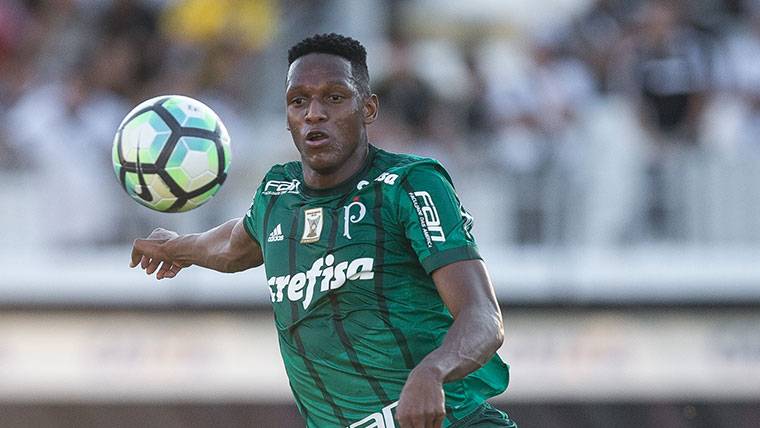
312	228
355	217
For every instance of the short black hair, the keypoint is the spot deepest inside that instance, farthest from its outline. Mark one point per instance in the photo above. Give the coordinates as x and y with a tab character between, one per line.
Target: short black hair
341	46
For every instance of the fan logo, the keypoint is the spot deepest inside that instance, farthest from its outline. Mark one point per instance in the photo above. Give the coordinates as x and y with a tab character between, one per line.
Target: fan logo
300	286
428	215
275	187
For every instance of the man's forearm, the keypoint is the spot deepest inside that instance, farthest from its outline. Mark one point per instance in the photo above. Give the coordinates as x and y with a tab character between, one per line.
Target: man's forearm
470	342
210	249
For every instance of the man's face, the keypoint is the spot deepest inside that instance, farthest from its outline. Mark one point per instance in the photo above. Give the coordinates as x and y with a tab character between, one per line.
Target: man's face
326	113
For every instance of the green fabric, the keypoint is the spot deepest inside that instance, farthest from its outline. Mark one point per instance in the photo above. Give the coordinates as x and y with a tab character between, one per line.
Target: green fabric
354	305
485	417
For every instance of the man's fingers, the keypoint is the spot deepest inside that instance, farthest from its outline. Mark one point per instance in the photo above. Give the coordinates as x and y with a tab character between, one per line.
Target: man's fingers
164	270
137	254
175	270
412	421
152	266
438	421
168	270
422	420
149	255
419	422
142	249
430	421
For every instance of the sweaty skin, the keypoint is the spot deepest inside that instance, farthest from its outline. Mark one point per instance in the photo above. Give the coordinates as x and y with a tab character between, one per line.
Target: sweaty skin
327	117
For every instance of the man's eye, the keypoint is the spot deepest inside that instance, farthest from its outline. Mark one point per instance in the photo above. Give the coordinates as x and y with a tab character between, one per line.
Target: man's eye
297	101
335	98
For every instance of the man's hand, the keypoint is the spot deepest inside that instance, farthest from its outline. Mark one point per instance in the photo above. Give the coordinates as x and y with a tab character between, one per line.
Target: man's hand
152	252
422	403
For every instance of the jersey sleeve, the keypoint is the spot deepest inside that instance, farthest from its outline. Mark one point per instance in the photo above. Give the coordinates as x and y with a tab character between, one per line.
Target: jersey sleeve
250	221
434	220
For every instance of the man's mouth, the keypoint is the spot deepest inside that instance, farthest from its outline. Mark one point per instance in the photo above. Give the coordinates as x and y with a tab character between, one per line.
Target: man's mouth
316	136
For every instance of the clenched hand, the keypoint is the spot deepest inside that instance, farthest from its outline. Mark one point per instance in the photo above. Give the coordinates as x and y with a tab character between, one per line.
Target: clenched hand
422	403
152	252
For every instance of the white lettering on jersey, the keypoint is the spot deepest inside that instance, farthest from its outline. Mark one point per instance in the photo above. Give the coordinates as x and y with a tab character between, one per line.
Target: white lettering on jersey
275	187
381	419
429	213
423	225
360	185
387	178
349	218
300	286
276	234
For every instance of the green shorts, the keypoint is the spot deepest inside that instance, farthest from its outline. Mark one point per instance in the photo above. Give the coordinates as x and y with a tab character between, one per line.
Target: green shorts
486	416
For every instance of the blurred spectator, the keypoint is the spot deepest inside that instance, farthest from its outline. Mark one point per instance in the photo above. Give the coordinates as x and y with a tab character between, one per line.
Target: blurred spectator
597	33
732	120
12	16
12	20
480	120
216	48
131	25
663	64
252	22
541	115
407	100
65	129
132	18
538	113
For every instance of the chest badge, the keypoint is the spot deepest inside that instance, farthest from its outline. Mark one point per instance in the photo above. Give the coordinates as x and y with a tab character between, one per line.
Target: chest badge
312	229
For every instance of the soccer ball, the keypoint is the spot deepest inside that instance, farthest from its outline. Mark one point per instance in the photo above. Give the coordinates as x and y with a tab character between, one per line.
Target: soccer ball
171	153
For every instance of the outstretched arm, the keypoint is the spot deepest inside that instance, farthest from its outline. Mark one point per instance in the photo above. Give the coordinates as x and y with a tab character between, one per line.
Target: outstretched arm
475	335
225	248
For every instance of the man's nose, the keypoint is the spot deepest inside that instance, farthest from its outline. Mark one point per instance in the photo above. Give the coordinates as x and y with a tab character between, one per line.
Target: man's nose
315	112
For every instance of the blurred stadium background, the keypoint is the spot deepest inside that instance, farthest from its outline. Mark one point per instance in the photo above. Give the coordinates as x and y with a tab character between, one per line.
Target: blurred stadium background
608	150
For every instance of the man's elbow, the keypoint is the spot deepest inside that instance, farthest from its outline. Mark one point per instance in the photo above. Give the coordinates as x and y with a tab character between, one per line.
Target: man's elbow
498	336
499	339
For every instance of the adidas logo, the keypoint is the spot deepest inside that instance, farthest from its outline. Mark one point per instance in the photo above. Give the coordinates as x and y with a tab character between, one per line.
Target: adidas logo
276	234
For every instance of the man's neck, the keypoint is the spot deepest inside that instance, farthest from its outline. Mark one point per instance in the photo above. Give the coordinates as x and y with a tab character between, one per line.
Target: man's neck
316	180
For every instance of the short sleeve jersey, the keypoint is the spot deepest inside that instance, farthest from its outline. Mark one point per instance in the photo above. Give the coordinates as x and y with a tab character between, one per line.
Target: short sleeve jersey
349	274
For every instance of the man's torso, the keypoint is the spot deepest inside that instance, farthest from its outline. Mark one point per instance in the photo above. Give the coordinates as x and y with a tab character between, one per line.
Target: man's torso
348	274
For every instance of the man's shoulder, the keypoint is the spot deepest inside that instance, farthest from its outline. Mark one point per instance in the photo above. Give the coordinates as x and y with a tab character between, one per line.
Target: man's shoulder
283	170
401	165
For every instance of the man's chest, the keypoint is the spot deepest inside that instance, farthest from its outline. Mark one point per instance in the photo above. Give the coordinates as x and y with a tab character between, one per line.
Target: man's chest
312	248
297	230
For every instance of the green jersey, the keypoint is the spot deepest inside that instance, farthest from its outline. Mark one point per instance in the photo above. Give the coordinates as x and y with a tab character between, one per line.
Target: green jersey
349	270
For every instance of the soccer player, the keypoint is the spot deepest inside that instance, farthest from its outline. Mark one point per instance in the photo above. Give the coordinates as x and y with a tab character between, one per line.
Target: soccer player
385	312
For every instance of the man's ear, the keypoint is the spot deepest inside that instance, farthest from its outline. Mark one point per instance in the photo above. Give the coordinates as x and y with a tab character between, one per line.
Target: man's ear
371	106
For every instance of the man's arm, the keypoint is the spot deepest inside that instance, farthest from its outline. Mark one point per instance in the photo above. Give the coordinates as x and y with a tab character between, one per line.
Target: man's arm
225	248
475	335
